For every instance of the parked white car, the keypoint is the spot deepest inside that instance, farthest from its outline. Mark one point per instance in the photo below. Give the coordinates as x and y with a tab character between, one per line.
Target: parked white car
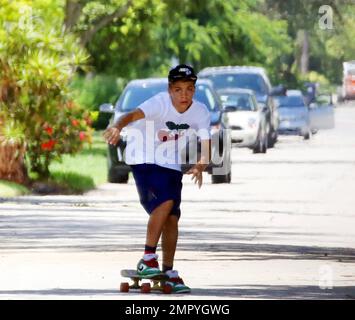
246	119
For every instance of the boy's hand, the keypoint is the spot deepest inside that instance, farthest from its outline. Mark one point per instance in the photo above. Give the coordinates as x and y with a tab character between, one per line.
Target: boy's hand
196	172
112	135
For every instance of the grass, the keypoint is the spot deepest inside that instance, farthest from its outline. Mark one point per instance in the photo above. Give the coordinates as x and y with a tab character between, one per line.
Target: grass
75	174
11	189
83	171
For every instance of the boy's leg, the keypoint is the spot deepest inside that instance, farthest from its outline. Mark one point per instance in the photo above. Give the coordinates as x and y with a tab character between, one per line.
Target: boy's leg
148	266
169	241
157	221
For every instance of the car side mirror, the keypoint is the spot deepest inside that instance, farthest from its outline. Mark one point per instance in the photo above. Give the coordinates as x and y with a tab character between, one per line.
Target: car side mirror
107	108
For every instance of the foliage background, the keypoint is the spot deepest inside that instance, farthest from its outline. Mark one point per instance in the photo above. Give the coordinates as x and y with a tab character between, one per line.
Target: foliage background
143	38
61	59
37	63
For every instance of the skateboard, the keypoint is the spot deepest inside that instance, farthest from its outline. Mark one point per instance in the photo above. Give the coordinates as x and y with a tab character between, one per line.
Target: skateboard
156	283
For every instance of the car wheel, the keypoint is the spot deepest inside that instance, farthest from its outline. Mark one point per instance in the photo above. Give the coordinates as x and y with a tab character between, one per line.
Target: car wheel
116	177
271	138
226	150
261	145
222	178
307	134
265	145
257	148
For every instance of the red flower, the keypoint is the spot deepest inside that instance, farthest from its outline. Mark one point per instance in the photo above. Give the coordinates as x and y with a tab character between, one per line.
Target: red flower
49	130
48	146
75	122
82	135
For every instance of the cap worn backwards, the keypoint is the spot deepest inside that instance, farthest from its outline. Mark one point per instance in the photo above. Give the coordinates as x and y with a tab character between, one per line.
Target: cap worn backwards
182	72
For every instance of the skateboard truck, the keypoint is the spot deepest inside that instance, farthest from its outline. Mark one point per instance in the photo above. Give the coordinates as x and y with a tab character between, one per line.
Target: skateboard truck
157	283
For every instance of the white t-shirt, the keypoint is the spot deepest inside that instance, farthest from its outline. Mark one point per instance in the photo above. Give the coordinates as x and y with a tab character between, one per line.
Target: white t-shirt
162	135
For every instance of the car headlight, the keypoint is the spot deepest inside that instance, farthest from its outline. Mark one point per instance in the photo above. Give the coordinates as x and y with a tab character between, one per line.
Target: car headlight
252	122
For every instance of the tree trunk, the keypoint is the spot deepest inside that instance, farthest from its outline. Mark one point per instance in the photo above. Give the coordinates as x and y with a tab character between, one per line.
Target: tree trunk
73	9
87	35
12	165
303	42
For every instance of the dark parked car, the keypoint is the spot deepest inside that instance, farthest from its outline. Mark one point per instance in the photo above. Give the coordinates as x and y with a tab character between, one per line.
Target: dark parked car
136	92
248	77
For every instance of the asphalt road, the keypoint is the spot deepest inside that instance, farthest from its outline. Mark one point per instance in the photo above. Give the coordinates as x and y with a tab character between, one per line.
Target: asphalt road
283	229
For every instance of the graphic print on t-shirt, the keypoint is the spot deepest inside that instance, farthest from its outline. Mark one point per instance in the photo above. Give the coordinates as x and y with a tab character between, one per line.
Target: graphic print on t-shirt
175	131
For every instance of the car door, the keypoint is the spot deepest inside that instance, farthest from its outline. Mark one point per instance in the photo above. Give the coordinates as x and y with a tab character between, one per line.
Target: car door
322	113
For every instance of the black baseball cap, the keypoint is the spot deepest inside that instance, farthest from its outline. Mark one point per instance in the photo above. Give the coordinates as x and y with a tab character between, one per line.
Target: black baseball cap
182	72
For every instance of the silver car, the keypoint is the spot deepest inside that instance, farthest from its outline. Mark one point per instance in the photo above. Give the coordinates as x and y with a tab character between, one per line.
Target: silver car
294	115
253	78
246	119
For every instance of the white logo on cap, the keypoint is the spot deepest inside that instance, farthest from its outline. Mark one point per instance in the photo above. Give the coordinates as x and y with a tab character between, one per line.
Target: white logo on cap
186	70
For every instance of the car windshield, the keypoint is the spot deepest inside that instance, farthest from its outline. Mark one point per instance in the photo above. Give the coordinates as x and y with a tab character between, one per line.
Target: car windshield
242	101
204	94
134	96
289	101
239	80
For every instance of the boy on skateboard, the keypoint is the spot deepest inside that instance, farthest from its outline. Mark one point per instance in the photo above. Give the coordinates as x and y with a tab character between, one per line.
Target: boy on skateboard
158	174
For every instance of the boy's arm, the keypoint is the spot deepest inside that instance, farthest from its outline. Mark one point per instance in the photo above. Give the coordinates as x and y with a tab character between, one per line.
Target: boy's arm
203	162
112	134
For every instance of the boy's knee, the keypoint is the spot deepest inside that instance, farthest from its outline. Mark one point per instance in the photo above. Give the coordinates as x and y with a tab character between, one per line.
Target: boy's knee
171	222
167	205
164	207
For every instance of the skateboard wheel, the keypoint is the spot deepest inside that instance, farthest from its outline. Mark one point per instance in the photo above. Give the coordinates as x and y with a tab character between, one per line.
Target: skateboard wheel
124	287
167	289
145	288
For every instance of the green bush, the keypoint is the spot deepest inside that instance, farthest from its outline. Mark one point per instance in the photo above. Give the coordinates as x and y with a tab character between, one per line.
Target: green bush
37	62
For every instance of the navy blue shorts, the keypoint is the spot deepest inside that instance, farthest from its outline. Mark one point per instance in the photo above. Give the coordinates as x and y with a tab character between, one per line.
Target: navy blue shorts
156	184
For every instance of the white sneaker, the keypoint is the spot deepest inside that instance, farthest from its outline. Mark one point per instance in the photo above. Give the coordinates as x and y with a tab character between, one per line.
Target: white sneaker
176	282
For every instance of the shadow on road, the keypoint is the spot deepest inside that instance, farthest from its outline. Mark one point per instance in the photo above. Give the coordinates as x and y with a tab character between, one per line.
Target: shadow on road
97	232
234	292
277	292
